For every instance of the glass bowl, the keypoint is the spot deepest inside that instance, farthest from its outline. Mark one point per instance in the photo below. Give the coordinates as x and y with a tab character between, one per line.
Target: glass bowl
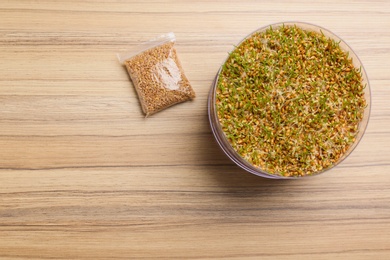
224	142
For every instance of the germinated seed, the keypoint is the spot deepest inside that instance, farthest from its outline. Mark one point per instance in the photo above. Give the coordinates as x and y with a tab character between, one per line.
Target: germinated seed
290	101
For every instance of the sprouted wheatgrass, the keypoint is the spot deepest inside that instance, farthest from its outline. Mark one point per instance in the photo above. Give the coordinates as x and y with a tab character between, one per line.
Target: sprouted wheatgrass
290	101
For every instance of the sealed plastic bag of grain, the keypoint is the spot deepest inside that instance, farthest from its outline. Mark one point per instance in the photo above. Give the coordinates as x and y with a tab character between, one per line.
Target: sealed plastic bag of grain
157	74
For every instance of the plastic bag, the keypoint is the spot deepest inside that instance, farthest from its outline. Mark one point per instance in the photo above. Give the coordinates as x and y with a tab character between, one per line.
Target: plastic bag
157	74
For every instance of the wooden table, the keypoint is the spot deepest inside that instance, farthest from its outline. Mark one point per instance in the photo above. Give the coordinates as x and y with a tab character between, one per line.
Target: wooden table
84	175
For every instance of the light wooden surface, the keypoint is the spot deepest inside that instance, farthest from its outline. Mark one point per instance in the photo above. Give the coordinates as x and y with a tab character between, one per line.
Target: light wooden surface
84	175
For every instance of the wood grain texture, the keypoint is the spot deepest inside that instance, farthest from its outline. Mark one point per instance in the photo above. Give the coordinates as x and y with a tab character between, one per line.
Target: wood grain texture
83	175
